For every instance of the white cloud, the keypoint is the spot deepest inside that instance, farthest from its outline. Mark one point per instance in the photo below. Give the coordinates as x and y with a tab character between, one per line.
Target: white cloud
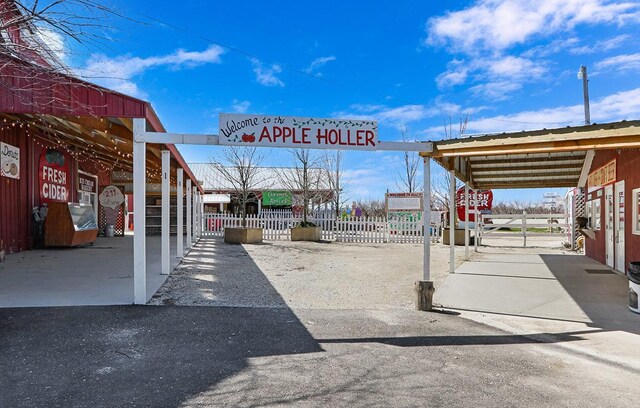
240	106
601	46
497	25
496	91
623	105
53	41
318	63
622	63
553	47
266	75
396	116
496	77
117	73
456	74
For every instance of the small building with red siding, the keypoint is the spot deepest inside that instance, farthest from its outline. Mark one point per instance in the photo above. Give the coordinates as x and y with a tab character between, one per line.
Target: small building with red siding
613	207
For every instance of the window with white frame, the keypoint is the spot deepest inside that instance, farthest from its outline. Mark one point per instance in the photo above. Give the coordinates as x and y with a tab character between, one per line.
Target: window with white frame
596	214
589	214
636	211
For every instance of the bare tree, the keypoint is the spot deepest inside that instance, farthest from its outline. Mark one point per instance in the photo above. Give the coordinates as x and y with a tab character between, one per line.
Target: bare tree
334	175
440	180
304	179
240	167
408	180
33	34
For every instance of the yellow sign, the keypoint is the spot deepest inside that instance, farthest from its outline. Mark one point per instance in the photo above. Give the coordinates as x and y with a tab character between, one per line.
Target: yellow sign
603	175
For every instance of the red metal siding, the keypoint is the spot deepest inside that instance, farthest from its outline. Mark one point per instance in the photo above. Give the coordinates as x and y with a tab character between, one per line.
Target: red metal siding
15	196
31	89
627	165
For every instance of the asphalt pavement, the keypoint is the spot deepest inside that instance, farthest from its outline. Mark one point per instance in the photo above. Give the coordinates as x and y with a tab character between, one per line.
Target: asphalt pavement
128	356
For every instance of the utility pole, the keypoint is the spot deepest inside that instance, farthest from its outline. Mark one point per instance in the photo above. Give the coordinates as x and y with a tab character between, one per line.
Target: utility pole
582	74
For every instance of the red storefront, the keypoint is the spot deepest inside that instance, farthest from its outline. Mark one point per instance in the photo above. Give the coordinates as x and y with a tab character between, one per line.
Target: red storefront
63	140
613	207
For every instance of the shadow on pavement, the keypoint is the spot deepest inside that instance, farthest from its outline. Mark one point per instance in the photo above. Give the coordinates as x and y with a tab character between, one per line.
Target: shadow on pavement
135	356
602	297
429	341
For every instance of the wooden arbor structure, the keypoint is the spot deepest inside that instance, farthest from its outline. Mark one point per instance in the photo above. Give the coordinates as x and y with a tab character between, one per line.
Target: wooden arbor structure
545	158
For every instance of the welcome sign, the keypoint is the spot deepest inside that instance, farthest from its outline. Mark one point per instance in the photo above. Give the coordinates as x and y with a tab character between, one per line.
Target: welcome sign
9	161
301	132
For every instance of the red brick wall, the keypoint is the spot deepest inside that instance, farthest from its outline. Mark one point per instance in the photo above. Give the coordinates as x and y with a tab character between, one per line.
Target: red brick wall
627	169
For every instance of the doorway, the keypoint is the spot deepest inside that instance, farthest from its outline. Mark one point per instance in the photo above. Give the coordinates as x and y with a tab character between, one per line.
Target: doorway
619	226
608	226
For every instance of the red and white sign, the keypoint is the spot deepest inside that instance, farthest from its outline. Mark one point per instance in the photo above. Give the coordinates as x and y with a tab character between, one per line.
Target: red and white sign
482	201
54	176
301	132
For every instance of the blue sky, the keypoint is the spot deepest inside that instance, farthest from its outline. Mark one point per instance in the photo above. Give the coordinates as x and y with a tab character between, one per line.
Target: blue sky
509	65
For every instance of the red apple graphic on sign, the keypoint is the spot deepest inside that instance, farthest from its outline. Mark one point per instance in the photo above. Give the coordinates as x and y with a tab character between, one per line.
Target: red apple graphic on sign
249	138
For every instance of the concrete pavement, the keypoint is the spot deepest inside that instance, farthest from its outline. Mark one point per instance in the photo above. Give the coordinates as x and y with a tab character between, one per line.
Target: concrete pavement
549	293
93	275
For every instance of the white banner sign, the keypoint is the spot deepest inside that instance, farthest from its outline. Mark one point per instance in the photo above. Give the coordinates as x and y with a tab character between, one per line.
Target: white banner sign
404	202
9	161
291	131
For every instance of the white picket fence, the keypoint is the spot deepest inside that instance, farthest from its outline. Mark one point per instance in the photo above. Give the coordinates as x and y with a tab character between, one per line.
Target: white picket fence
276	226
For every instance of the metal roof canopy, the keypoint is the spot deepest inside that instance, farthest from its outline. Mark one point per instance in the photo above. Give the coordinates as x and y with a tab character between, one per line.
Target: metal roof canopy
544	158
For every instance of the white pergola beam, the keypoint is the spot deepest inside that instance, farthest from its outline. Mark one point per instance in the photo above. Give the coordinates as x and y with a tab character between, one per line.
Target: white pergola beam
184	138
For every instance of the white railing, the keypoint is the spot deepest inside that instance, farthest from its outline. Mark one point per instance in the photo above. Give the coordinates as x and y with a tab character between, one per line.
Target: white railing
276	226
525	224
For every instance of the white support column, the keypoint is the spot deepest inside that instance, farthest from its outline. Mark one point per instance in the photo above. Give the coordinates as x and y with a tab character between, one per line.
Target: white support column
524	226
188	245
194	215
476	221
200	214
165	261
426	193
452	222
180	216
424	288
139	214
466	223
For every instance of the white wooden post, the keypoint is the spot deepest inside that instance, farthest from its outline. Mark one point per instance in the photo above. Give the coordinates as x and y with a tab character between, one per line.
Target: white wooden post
139	213
194	214
166	263
466	224
452	222
476	221
179	204
524	226
426	217
188	214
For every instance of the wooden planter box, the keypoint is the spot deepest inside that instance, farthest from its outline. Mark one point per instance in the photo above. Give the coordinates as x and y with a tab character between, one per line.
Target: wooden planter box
458	236
243	235
306	234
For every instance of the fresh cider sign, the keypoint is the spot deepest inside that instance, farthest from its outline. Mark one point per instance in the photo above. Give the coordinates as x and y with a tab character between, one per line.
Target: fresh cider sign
301	132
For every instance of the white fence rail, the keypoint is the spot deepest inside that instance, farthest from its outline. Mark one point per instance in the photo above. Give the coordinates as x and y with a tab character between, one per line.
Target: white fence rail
276	226
525	225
